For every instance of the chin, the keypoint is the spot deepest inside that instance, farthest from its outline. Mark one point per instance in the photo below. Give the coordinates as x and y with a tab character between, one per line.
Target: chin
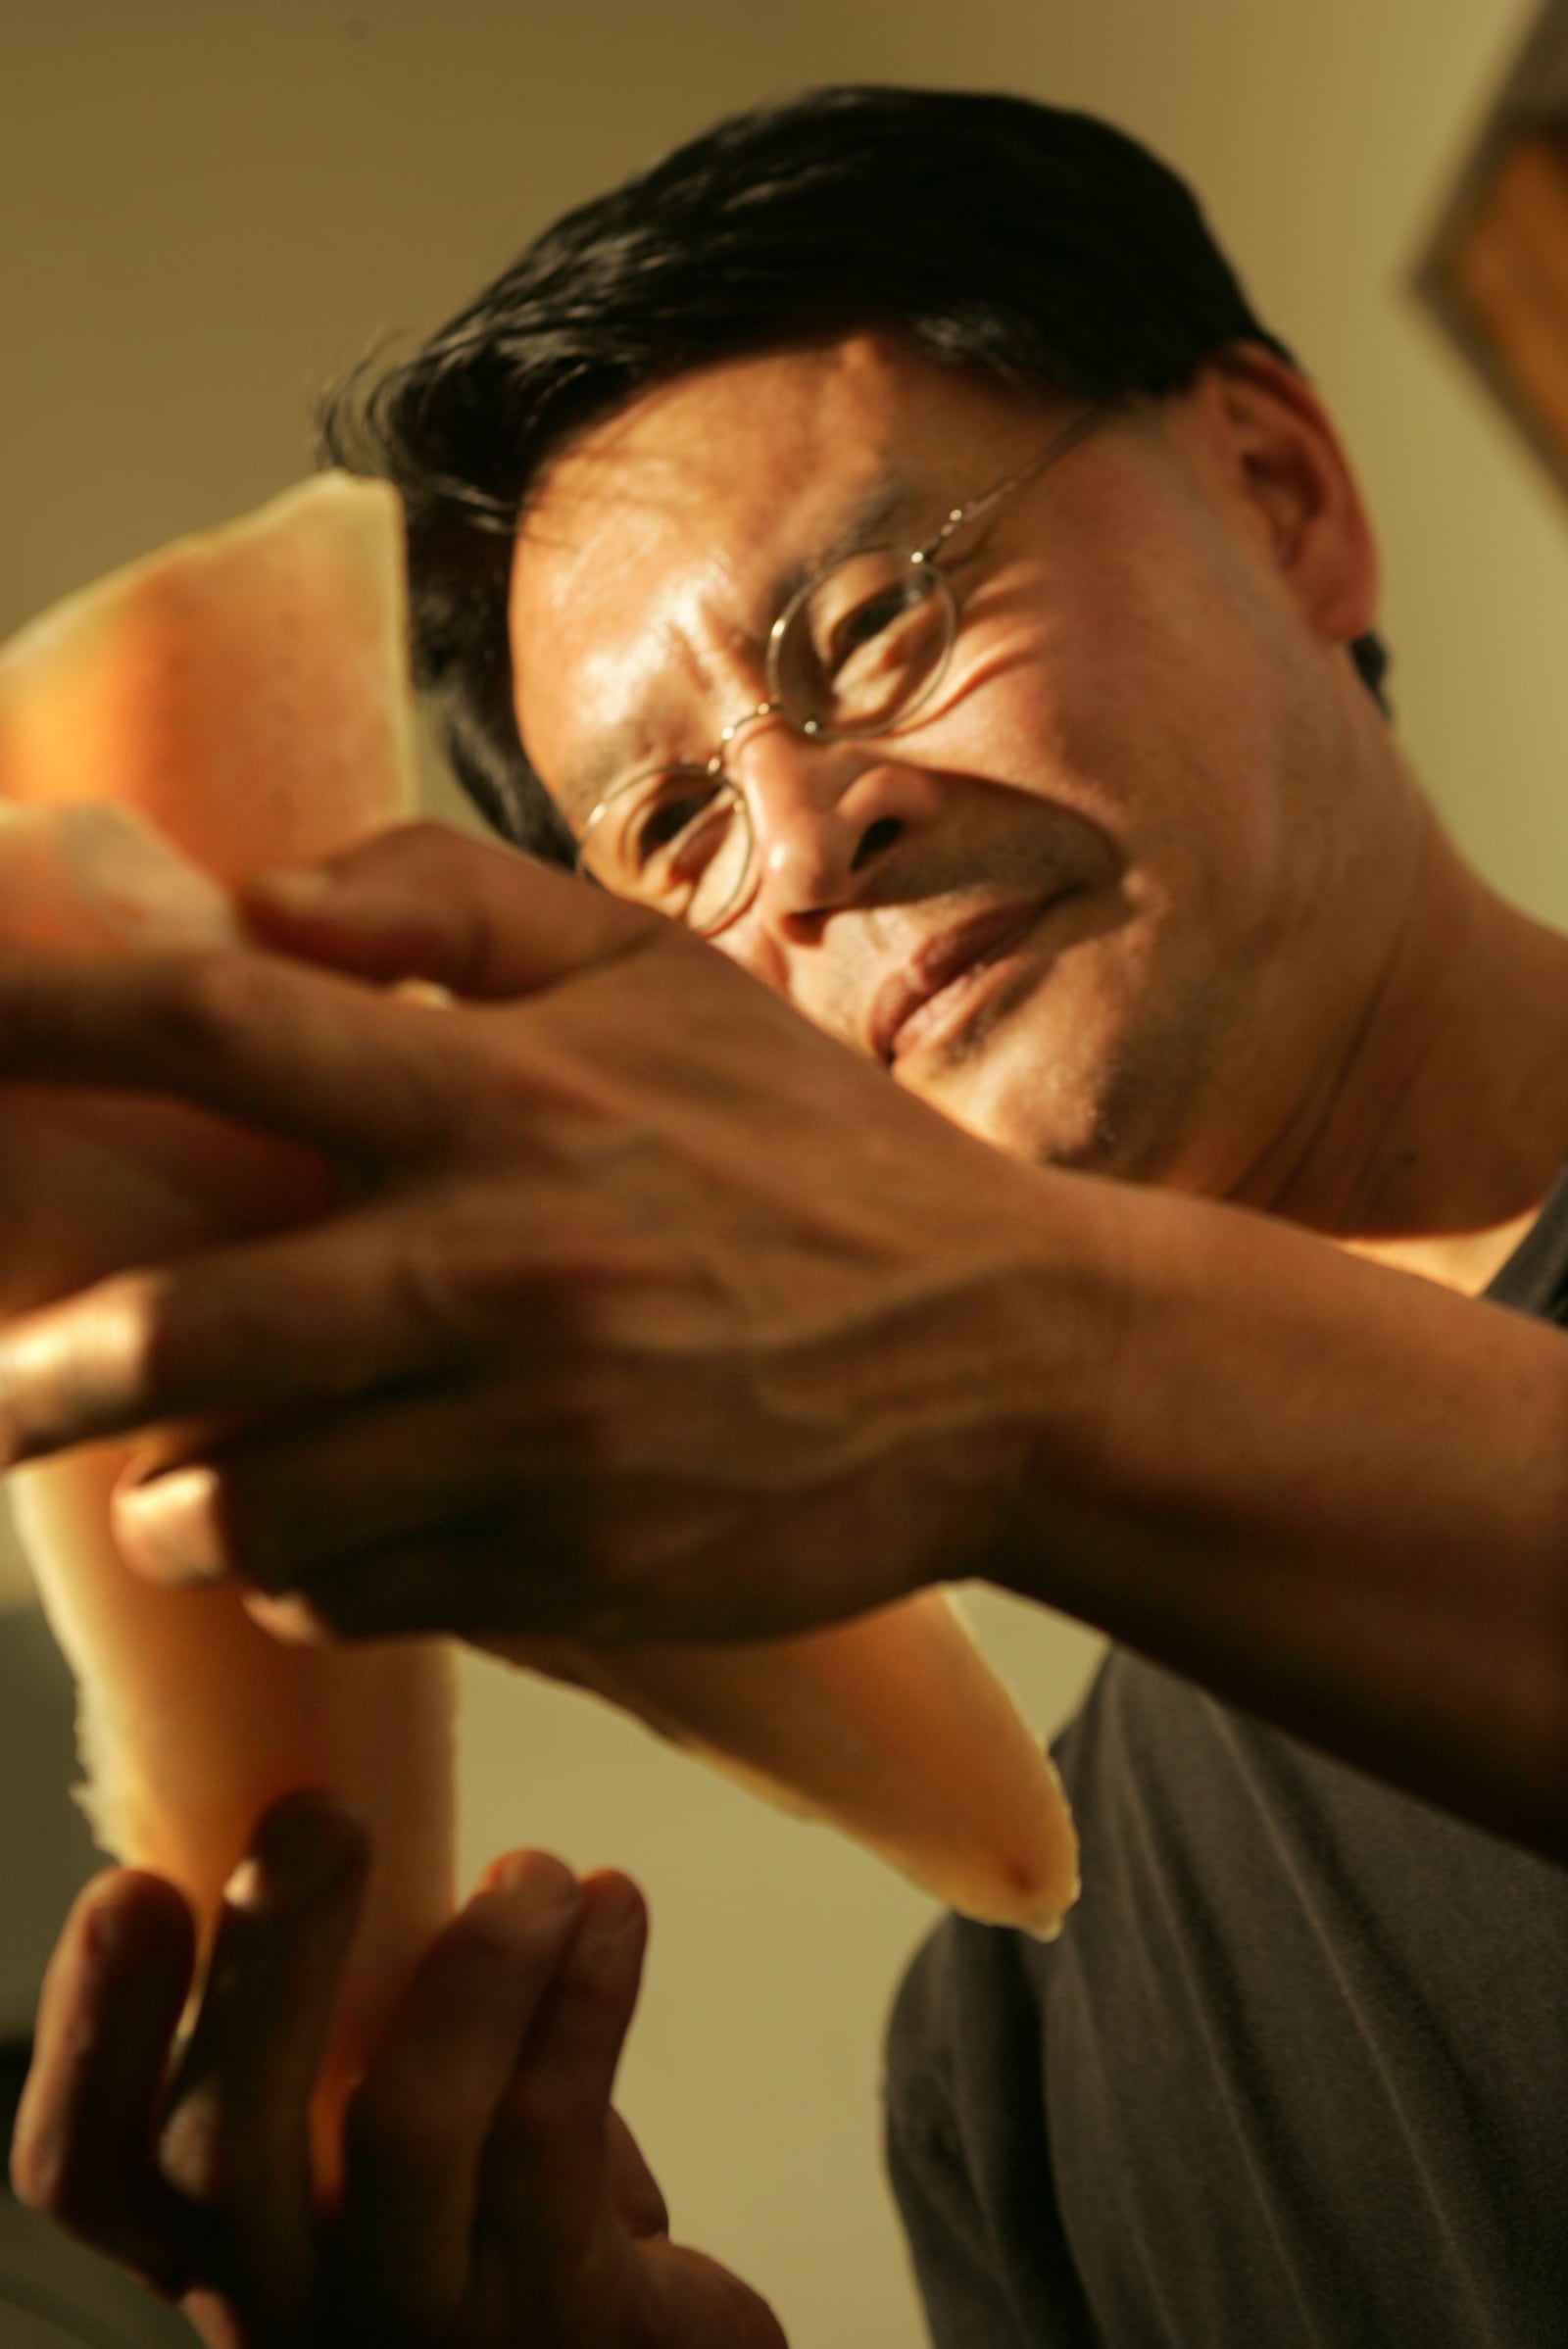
1039	1114
1093	1103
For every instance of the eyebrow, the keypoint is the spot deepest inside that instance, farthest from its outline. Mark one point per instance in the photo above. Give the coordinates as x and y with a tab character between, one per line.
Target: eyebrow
879	507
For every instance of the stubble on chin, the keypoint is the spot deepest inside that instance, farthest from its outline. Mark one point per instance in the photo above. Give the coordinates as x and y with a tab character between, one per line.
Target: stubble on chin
1138	1100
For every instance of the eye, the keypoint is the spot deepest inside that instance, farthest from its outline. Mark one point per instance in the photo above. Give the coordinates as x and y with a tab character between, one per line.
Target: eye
855	620
877	616
678	825
662	823
866	643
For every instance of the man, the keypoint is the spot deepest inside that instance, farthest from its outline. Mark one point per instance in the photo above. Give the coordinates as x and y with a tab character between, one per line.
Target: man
882	542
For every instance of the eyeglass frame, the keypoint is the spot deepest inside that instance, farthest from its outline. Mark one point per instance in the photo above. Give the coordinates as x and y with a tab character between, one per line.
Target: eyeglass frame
923	558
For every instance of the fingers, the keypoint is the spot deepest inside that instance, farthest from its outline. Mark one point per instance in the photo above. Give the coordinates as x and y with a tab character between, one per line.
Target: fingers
547	2166
429	1497
688	2297
303	1052
309	1053
234	2141
83	2151
278	1509
287	1322
421	900
496	1584
584	2226
201	2186
417	2130
635	2195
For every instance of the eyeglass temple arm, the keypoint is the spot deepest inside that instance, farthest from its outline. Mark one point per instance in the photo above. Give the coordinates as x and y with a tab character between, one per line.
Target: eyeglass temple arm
1068	439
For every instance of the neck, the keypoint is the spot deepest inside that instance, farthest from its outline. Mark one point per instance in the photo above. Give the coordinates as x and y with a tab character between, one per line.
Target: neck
1447	1120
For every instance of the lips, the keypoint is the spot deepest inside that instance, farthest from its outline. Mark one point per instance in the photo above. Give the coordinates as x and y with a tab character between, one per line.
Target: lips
936	963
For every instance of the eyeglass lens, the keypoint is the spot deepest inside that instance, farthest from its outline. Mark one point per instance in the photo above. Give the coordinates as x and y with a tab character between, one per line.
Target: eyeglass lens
855	654
862	645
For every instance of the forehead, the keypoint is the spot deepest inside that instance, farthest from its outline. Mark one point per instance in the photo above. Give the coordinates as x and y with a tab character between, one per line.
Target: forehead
657	546
849	402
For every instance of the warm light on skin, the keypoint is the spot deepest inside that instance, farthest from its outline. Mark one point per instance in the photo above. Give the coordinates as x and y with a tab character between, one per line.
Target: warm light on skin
1151	707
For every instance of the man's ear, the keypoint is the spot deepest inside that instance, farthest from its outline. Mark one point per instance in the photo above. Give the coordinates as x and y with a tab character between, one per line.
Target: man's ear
1281	462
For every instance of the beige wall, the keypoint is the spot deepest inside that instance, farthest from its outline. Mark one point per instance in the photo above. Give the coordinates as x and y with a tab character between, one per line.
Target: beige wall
210	206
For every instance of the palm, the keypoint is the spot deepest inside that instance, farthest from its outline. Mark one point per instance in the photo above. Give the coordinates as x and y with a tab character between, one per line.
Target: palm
609	2276
490	2192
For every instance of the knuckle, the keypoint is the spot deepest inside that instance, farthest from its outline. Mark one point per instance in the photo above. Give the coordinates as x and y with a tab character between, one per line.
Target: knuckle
470	1281
149	1336
73	2200
409	845
209	1001
223	2156
437	1295
321	1621
40	2171
413	843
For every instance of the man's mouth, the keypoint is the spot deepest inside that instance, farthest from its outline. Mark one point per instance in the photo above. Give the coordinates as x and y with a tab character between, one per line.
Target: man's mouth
948	980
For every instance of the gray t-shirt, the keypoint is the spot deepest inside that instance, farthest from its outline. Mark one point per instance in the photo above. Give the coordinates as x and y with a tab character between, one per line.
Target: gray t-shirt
1295	2073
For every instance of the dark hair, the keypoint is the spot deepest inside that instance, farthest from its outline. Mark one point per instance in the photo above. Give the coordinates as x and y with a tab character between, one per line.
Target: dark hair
1042	246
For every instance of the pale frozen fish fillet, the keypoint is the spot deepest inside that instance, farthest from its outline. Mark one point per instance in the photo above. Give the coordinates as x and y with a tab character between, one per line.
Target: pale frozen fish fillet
894	1728
190	1720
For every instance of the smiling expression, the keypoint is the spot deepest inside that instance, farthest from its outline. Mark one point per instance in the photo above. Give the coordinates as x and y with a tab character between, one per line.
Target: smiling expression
1092	900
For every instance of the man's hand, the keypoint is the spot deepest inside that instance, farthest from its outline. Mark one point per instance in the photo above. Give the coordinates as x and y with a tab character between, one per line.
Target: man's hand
490	2193
653	1309
654	1312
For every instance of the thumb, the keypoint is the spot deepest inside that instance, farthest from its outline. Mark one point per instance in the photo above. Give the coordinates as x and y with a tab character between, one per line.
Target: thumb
422	900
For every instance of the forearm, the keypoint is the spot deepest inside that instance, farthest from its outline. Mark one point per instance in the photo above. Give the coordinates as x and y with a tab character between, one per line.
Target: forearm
1333	1495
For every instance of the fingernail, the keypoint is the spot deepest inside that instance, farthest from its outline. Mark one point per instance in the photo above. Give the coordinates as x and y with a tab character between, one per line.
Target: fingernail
168	1527
549	1881
70	1370
301	1846
104	1926
32	1371
611	1912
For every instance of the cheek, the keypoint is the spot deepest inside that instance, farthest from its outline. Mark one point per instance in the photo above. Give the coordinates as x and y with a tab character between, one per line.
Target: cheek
1179	717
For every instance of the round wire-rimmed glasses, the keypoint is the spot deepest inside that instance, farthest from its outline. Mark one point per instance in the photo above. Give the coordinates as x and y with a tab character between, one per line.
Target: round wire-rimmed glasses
855	653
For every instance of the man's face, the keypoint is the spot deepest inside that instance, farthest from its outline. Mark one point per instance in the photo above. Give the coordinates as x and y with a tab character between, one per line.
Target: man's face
1091	901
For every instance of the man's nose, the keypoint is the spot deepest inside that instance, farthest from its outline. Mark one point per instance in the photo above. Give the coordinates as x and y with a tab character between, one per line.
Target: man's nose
824	813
